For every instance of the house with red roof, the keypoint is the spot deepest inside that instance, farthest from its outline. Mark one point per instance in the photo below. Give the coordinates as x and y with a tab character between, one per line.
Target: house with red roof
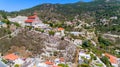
11	57
113	60
32	20
60	29
35	22
59	61
49	63
60	32
15	59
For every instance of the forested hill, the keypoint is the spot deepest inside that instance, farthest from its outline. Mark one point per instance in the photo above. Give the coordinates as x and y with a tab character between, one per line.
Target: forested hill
95	11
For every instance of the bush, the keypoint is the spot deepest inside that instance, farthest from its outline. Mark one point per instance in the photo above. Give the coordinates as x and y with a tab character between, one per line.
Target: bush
38	29
84	65
16	24
51	32
63	65
9	32
86	44
55	53
106	61
10	36
29	27
93	57
51	24
99	65
4	61
17	65
104	41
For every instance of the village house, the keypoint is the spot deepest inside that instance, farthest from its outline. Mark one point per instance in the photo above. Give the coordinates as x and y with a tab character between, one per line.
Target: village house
35	22
2	24
19	19
60	32
47	64
32	20
78	42
41	65
82	55
13	59
113	60
13	27
59	61
90	35
114	18
75	33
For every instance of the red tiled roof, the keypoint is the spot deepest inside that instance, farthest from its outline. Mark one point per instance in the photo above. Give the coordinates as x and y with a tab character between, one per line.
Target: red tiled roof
62	59
49	63
59	29
112	58
29	21
11	57
32	17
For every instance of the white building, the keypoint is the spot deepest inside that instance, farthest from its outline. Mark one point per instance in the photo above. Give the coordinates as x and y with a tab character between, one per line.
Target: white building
78	42
32	20
83	55
41	65
3	25
77	33
35	22
18	19
60	32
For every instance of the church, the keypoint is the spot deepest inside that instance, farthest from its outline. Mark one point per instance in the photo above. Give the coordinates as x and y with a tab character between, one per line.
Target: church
35	22
32	20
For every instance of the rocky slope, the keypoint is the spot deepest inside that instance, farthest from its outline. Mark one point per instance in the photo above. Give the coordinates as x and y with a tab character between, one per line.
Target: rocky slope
37	43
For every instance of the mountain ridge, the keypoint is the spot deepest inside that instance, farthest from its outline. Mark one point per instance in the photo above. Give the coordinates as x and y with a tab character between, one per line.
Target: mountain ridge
94	11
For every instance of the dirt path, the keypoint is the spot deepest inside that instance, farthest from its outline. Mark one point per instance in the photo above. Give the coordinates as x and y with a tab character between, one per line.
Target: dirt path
76	57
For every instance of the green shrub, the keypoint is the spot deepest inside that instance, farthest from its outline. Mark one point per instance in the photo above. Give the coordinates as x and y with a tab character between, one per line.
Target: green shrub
55	53
3	60
86	44
63	65
106	61
93	57
16	24
17	65
8	31
38	29
51	32
51	24
84	65
99	65
104	41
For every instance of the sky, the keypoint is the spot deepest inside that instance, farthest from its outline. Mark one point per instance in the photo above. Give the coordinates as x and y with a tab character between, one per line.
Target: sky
16	5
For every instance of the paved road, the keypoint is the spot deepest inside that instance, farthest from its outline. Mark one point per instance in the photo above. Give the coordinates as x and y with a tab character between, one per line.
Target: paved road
112	35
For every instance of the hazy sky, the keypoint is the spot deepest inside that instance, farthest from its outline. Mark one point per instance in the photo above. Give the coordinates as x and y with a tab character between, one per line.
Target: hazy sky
15	5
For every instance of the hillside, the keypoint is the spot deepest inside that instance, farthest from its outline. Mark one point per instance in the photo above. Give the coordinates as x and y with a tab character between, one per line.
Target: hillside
81	34
69	11
105	14
36	43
